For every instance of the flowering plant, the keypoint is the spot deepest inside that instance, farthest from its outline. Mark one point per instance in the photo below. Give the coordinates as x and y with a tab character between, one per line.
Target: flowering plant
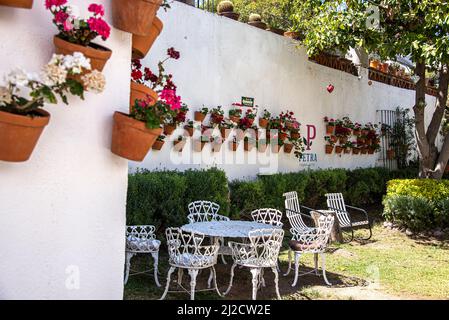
74	29
25	92
329	121
217	115
237	112
179	115
154	115
329	140
266	114
250	114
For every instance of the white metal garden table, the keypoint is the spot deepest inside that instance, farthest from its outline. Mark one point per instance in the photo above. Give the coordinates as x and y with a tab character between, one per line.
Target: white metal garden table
226	229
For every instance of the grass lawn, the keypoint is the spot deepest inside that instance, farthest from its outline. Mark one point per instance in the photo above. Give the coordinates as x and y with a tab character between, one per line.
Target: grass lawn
391	265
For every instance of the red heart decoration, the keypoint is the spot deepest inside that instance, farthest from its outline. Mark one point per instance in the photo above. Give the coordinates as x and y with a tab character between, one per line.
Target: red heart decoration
330	88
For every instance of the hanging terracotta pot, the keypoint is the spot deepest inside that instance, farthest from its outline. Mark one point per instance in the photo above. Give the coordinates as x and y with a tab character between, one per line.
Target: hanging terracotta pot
288	147
20	134
141	92
338	149
346	150
329	149
282	135
131	139
134	16
179	145
216	146
240	134
235	119
142	44
370	151
26	4
199	116
234	146
356	132
189	130
363	150
263	123
158	145
169	128
248	145
225	132
355	150
97	54
276	31
330	129
250	122
198	145
293	35
295	134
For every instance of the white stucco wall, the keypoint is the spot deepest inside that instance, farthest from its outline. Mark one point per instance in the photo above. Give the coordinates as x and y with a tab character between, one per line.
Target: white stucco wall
223	60
62	213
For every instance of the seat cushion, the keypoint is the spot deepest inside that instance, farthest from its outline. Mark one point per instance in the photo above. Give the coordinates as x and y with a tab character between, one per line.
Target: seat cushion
134	243
193	260
301	246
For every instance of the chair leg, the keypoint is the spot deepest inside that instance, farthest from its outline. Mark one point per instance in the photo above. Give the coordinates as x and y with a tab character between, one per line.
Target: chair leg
215	281
221	241
276	282
256	273
209	281
289	262
180	274
167	286
155	267
323	266
297	256
127	266
230	281
315	259
193	273
262	280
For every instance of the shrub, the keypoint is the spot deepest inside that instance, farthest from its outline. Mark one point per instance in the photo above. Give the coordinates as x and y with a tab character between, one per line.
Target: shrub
417	203
321	182
245	197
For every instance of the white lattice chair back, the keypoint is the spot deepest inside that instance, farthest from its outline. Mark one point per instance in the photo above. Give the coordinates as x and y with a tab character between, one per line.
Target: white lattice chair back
336	202
141	238
185	249
266	245
293	209
268	216
316	240
201	211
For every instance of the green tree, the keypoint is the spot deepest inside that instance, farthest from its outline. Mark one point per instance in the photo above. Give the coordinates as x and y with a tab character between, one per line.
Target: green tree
418	29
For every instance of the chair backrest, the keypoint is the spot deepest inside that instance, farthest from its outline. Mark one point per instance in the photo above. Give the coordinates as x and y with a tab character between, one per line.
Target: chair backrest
201	210
317	240
293	210
266	244
336	202
268	216
142	232
188	245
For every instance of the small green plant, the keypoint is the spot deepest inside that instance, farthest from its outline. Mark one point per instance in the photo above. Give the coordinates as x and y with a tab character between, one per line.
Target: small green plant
266	114
235	112
161	138
225	6
204	110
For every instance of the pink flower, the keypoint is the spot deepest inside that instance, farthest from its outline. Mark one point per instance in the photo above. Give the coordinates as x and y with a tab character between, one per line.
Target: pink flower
61	17
99	26
97	9
68	26
170	97
57	3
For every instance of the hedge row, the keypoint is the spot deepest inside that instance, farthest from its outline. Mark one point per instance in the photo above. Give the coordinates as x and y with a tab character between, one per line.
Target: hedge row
161	197
418	204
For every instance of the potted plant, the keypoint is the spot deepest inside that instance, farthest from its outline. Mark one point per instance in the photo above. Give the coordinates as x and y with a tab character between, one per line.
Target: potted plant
216	116
338	149
234	144
174	119
264	119
199	144
226	9
189	127
235	113
298	146
141	45
159	143
330	125
250	115
330	144
347	147
261	145
288	146
134	134
217	142
355	148
293	34
22	119
249	143
200	115
145	84
76	34
225	128
275	147
26	4
135	16
357	130
255	20
374	61
179	143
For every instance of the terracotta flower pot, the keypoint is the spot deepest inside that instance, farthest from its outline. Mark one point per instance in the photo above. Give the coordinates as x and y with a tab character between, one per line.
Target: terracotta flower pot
355	150
295	135
346	150
142	44
225	133
343	140
158	145
282	135
235	119
233	146
230	15
293	35
288	148
329	149
250	122
199	116
131	139
374	64
384	67
248	145
330	129
334	139
169	128
363	150
26	4
276	31
258	24
134	16
356	132
370	151
240	134
263	123
338	149
141	92
97	54
179	145
189	130
216	146
198	145
20	134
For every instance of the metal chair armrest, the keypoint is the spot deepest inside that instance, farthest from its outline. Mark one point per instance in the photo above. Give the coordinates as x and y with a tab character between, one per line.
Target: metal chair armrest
359	210
240	251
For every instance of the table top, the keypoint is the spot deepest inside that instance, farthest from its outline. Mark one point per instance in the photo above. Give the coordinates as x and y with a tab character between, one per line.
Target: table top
227	229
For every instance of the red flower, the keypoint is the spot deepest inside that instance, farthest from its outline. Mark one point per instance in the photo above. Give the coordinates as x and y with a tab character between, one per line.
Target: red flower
57	3
61	17
97	9
136	75
99	26
136	63
173	53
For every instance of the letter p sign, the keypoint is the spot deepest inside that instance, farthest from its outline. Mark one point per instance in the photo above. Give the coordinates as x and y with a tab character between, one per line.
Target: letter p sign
311	134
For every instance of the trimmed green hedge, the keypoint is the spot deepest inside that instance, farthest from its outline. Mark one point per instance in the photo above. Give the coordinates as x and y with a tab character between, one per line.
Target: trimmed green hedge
161	197
418	204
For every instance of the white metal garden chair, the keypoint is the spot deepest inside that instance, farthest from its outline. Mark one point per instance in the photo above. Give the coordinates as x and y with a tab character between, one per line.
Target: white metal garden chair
202	211
141	240
268	216
292	208
187	252
336	203
261	252
312	240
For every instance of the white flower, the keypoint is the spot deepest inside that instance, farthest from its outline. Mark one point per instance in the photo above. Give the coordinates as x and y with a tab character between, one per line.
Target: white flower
5	96
76	63
94	81
18	77
53	75
56	59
